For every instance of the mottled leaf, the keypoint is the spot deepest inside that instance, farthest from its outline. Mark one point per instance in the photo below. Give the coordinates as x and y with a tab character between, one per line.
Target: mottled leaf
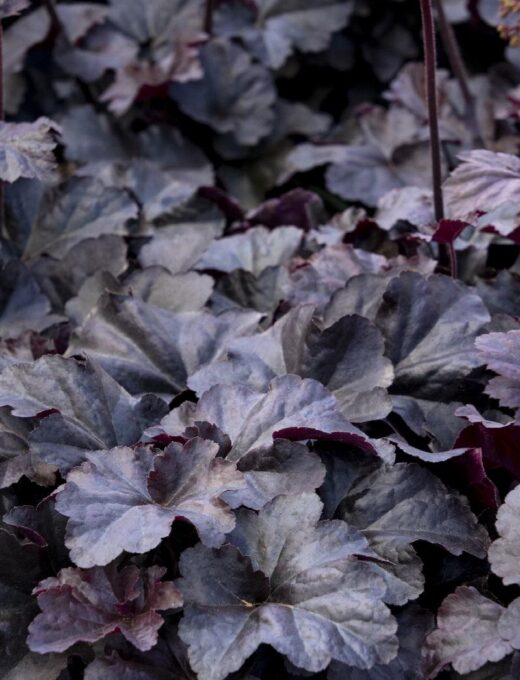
501	353
483	181
504	553
300	589
149	349
429	325
87	605
116	491
235	95
26	150
467	633
292	408
85	409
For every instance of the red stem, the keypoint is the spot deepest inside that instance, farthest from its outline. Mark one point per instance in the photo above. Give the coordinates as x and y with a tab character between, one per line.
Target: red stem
433	114
208	17
2	117
459	68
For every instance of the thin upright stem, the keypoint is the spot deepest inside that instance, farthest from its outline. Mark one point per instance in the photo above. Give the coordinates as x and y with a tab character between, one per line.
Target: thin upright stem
208	17
452	258
458	67
2	117
433	114
53	14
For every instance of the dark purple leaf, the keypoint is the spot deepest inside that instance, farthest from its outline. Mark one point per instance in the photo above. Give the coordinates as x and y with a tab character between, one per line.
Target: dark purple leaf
292	408
235	95
26	150
300	589
106	496
87	605
86	409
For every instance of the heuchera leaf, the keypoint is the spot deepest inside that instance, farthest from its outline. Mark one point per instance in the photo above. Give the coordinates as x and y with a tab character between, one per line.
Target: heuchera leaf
429	325
87	605
305	25
484	181
234	96
146	348
26	149
501	352
118	490
79	209
471	630
292	408
396	506
170	31
347	357
504	553
16	457
293	583
414	624
85	409
400	504
23	306
253	251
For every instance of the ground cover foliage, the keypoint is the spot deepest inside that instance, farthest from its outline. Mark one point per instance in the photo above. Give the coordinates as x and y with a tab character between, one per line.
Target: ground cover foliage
254	422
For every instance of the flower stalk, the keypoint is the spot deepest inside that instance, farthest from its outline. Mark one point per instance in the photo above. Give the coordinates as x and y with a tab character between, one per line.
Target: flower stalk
430	61
2	117
208	17
458	68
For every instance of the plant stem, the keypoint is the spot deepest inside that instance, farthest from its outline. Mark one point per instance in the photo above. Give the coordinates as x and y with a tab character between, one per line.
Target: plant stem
2	117
452	257
55	19
208	17
458	67
433	115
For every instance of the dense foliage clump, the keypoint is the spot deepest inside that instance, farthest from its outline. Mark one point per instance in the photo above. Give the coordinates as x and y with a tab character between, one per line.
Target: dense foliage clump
259	404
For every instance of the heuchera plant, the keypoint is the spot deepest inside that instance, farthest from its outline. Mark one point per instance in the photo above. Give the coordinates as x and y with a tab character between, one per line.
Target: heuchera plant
259	340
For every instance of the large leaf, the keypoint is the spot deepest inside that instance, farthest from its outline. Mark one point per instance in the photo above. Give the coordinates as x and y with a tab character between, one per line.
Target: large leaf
87	605
16	456
316	279
80	209
483	182
287	468
294	583
178	247
118	490
501	352
396	506
414	624
159	165
23	307
146	348
235	95
85	409
291	408
471	630
429	325
26	150
170	31
347	357
254	251
504	553
62	278
306	25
